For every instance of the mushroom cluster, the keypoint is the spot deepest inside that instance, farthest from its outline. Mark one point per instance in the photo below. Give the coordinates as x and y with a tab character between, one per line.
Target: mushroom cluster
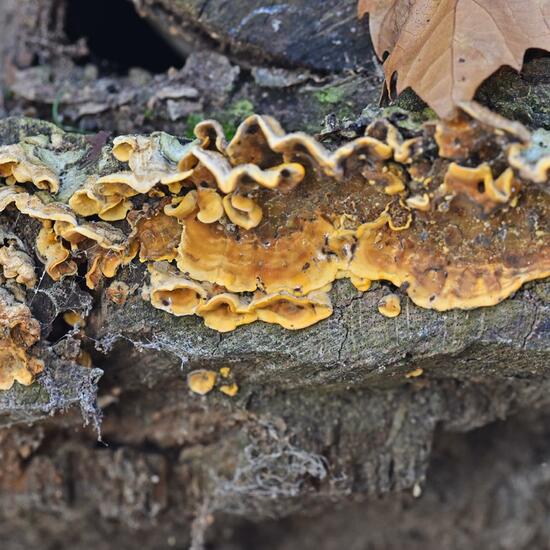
258	228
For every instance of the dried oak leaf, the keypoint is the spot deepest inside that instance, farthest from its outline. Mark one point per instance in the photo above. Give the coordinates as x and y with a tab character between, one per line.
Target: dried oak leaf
444	49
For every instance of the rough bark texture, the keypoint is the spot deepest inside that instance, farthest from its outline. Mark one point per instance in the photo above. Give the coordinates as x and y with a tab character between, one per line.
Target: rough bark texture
327	440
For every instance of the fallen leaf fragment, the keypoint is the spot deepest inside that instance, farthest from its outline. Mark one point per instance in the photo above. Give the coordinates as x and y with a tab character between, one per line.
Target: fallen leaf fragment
444	49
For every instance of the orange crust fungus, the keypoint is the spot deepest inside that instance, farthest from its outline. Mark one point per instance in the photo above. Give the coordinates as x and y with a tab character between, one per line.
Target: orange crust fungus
456	213
224	311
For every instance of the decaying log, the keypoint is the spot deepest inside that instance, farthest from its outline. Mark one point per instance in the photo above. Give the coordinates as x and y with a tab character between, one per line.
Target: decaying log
358	411
347	405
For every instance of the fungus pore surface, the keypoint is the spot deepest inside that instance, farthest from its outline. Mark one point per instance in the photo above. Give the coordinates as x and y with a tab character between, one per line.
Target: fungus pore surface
456	214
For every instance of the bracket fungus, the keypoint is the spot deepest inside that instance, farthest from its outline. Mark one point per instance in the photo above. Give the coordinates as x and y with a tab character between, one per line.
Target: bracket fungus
53	254
19	164
95	198
18	332
258	228
16	262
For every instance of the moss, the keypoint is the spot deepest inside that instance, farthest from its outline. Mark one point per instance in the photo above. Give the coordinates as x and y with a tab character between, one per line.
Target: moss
241	108
229	129
234	115
428	114
409	101
330	95
521	96
337	99
8	94
190	123
412	120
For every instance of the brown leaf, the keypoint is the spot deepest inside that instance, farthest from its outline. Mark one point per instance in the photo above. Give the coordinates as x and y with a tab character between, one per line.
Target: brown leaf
444	49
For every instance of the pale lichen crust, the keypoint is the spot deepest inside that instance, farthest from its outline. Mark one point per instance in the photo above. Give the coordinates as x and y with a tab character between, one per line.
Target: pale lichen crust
456	214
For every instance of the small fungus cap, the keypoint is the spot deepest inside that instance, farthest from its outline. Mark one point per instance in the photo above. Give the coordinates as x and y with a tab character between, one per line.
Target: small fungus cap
390	305
201	381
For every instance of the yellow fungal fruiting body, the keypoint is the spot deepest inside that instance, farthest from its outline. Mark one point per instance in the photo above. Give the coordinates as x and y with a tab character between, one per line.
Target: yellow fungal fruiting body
74	319
415	373
230	389
201	381
478	184
242	211
224	311
258	228
210	206
94	198
18	332
18	165
17	366
173	292
17	264
60	222
158	236
53	254
390	305
293	312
